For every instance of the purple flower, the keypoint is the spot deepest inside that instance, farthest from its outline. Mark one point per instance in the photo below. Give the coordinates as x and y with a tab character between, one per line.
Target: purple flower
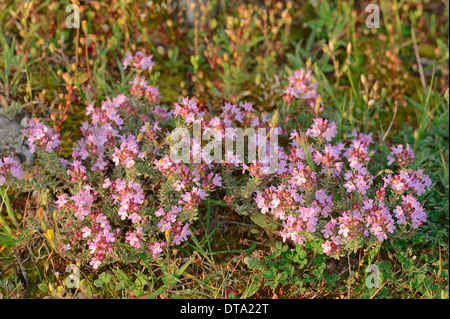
321	128
379	221
401	156
189	110
156	248
9	167
350	224
133	239
95	263
410	212
303	86
128	153
358	182
138	61
217	180
40	136
82	202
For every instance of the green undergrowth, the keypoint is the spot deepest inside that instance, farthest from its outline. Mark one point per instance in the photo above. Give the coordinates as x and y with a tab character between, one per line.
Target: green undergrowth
230	255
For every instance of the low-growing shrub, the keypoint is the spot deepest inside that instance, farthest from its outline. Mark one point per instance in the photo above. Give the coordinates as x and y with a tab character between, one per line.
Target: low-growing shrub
122	193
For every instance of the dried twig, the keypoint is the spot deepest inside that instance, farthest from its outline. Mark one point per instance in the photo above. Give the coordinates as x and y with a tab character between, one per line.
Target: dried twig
419	62
378	290
349	275
24	274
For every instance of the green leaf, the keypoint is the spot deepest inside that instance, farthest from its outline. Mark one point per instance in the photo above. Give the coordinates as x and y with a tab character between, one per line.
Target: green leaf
300	252
251	289
307	154
253	263
88	291
43	287
232	295
123	278
157	292
261	220
180	270
104	277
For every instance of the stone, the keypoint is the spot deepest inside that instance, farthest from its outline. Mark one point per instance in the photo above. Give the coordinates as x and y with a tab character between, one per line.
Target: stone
11	143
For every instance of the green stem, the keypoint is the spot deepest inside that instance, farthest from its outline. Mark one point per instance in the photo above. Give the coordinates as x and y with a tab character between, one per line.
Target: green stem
168	270
4	225
9	210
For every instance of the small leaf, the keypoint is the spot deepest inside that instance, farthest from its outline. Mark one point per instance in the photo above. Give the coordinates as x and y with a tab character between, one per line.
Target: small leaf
253	263
43	287
261	220
251	289
82	77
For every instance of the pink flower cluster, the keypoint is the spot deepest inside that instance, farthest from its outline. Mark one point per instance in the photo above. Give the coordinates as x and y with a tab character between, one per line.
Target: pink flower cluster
379	220
302	86
128	153
9	167
323	203
294	227
138	61
188	110
156	248
278	200
134	238
168	222
92	145
408	179
320	188
80	203
232	113
333	240
40	136
100	136
350	224
107	146
339	197
99	237
322	129
129	196
302	176
330	159
100	240
192	199
193	183
400	156
108	114
410	211
162	113
77	172
358	178
141	88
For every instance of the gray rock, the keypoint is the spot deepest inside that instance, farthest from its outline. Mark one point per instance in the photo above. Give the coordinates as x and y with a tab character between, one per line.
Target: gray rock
191	7
11	143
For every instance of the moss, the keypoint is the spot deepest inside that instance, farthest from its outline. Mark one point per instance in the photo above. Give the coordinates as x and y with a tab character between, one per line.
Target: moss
70	129
427	51
168	90
42	80
230	239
